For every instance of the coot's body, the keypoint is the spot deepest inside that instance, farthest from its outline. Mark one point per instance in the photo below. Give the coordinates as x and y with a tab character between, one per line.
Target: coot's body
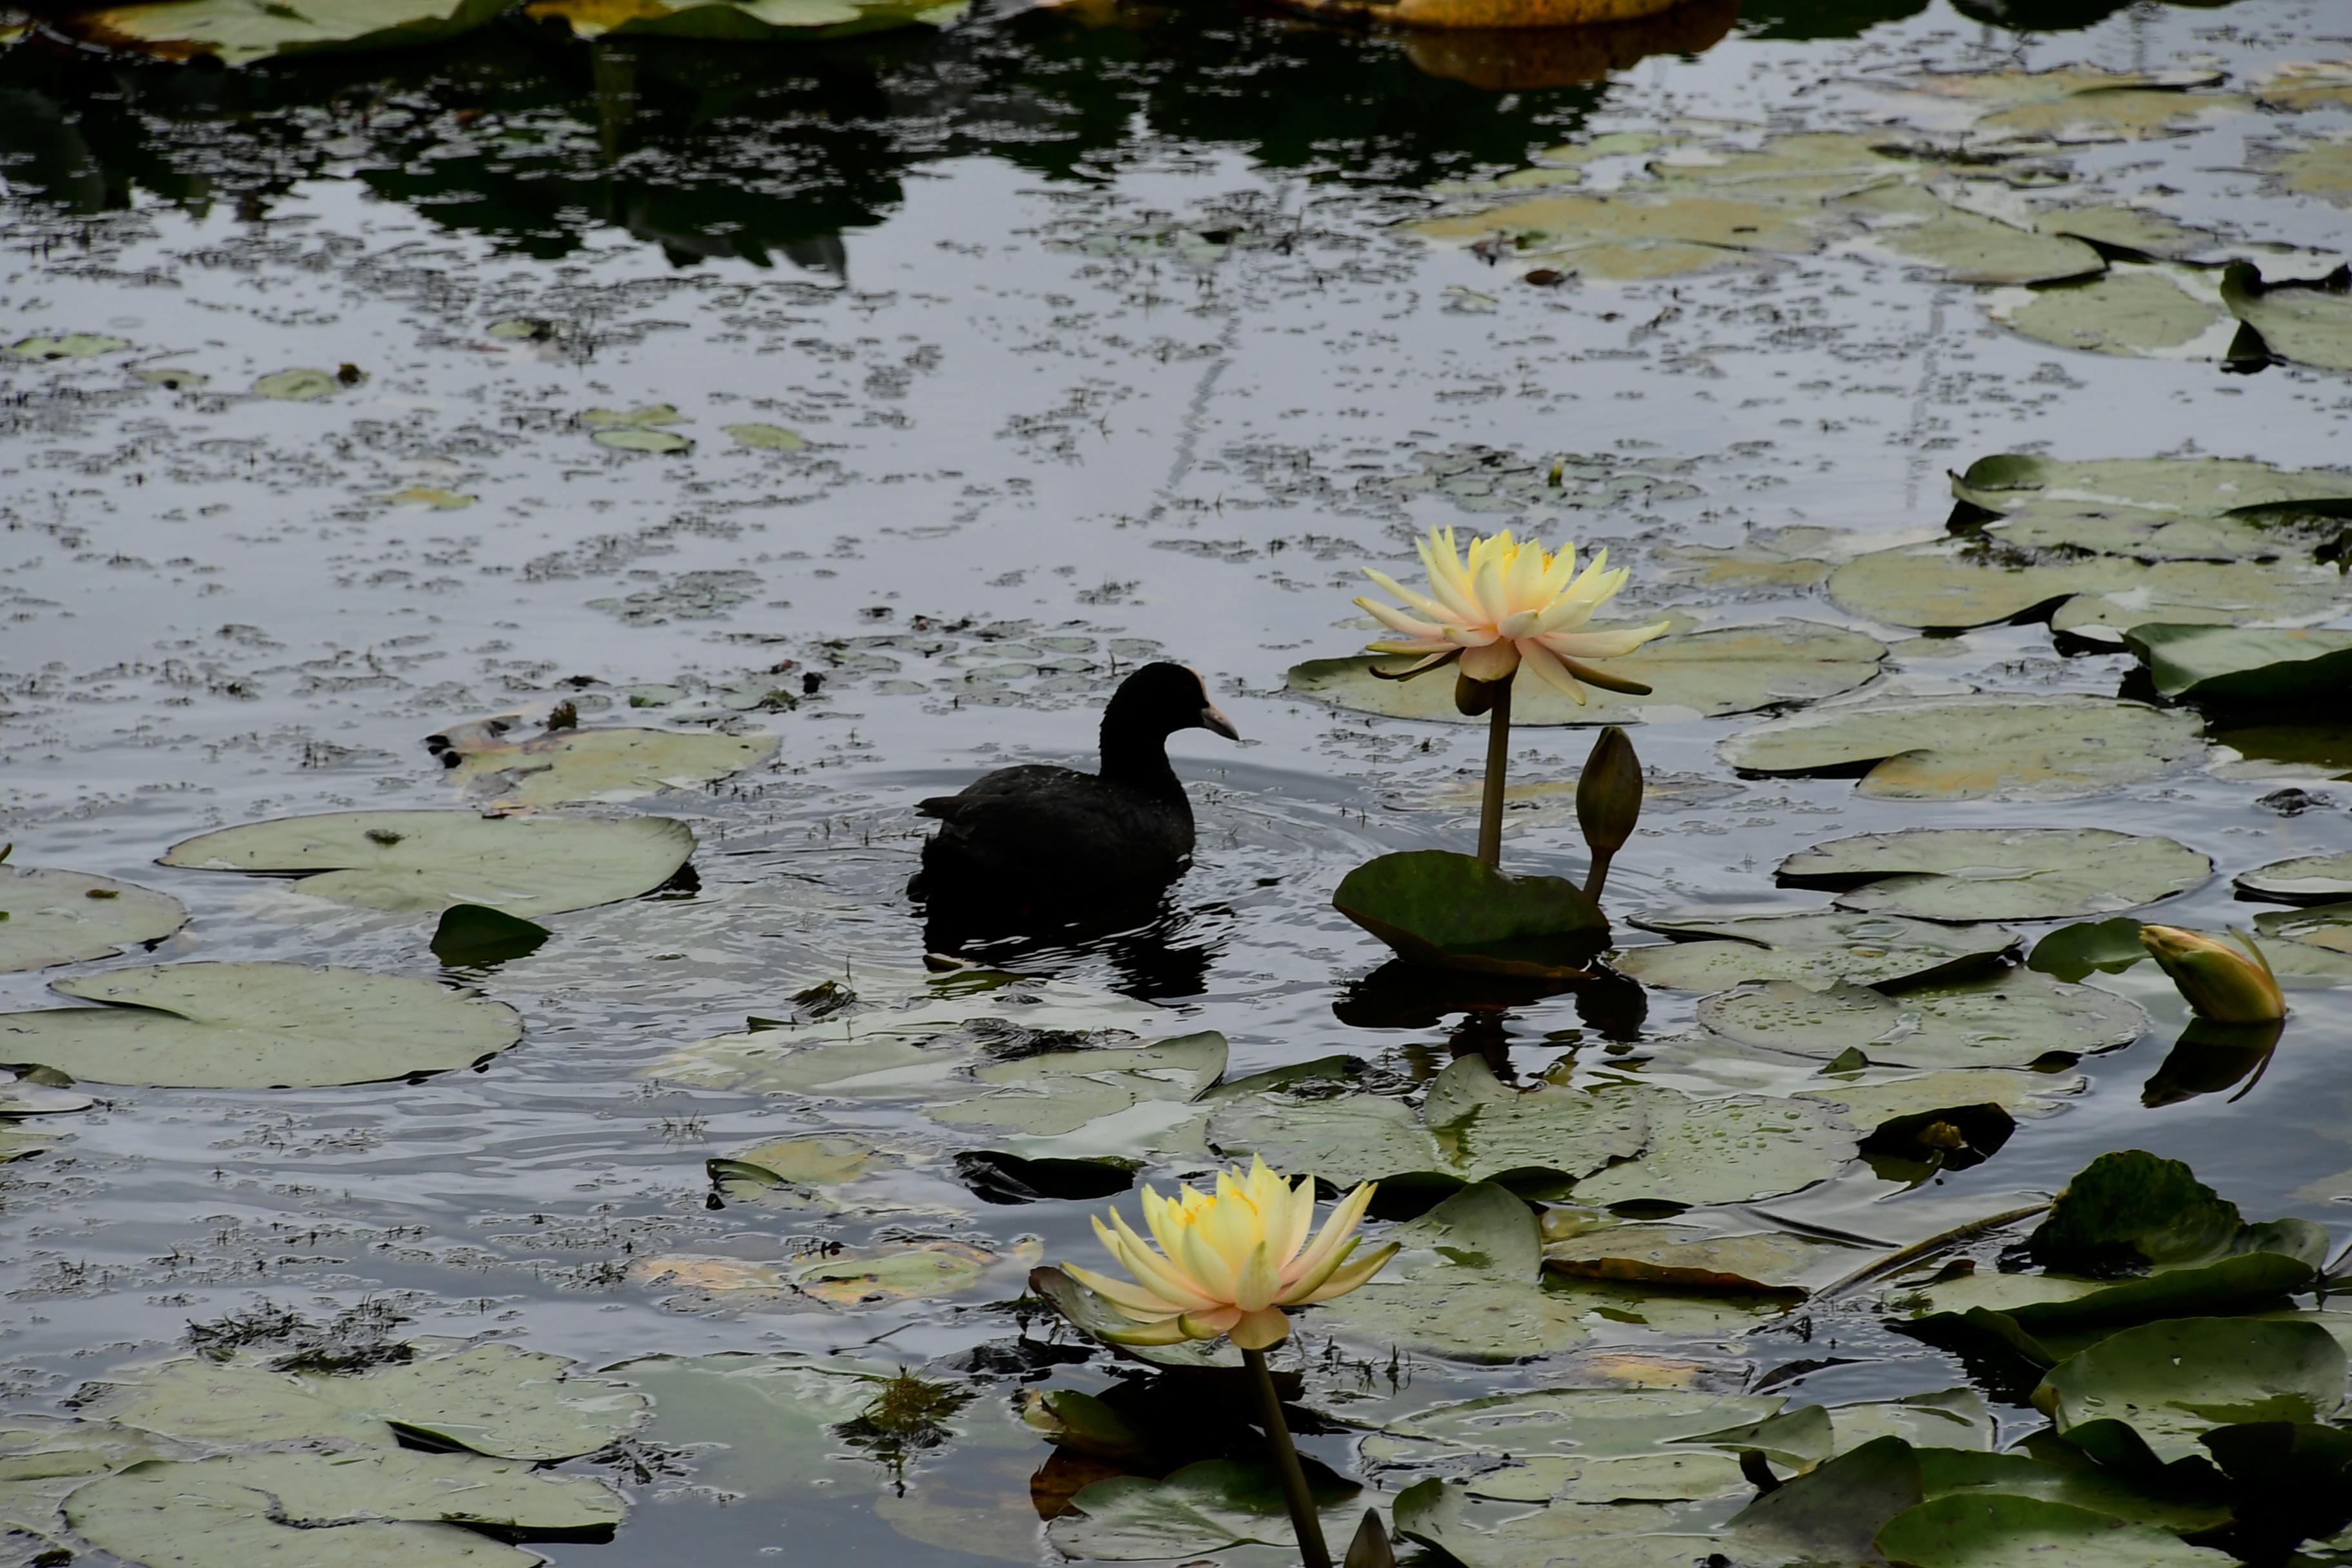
1025	834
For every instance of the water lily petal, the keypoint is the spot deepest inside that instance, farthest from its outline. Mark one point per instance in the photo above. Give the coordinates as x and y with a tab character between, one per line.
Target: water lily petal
1355	1272
1346	1216
1412	597
1396	620
1260	1281
1537	653
1496	661
1131	1300
1261	1329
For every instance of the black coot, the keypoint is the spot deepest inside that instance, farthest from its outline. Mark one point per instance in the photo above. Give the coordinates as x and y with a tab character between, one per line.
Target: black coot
1020	835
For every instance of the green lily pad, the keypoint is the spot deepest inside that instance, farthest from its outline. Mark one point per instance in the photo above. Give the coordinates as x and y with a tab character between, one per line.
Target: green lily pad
2171	1381
1136	1093
1731	669
1470	1127
1973	248
2209	486
2322	169
634	438
2101	947
2308	322
1862	949
744	21
2305	879
1829	1514
2244	667
257	1025
1996	874
15	1145
1476	1532
2129	1210
1639	234
51	916
1968	748
239	31
1946	1472
2012	1018
770	438
1684	1258
1208	1507
426	861
297	386
565	766
760	1426
474	936
1455	911
494	1399
38	1093
2325	926
2149	312
172	378
1469	1286
2005	1531
651	416
66	345
1098	1318
1731	1150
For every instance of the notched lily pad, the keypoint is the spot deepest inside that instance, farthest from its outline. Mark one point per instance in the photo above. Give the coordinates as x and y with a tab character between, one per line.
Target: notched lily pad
2309	322
2012	1018
426	861
1453	911
741	21
1967	748
1468	1286
1995	874
1730	1150
2305	879
66	345
51	916
297	385
1866	949
238	32
2245	668
257	1025
564	766
2171	1381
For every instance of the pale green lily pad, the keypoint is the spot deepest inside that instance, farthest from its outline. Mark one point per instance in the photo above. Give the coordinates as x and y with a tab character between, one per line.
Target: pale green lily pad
44	1458
2004	1531
1469	1286
2322	169
1470	1127
239	31
1954	1421
297	386
1947	1472
1684	1258
630	439
2308	322
1476	1532
1638	233
1995	874
1208	1507
1128	1097
2149	312
567	766
763	1426
769	437
1967	748
2240	668
1866	949
66	345
1731	1150
843	1277
2305	879
51	916
424	861
1973	248
257	1025
2172	1381
751	21
2013	480
172	378
1732	669
431	497
496	1400
2009	1019
38	1094
816	1162
2328	927
651	416
2150	533
1872	1102
1954	584
15	1145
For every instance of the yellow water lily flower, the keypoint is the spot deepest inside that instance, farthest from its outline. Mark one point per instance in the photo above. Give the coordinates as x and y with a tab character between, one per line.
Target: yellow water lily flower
1230	1260
1509	602
2226	985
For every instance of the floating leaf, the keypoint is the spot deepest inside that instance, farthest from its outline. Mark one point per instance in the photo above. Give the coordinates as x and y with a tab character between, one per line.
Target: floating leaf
2003	1531
1000	1178
2242	667
1863	949
1996	874
55	917
239	31
1470	1129
257	1025
2187	486
564	766
1731	1150
2007	1019
1684	1258
2173	1381
1204	1508
771	437
760	1426
2162	312
1967	748
172	378
1455	911
471	936
2305	879
2308	322
431	496
652	416
1093	1316
39	1092
1973	248
292	385
1733	669
1478	1533
749	21
629	438
2324	926
1829	1514
1058	1092
2322	169
1946	1472
1469	1286
66	345
426	861
2129	1210
15	1145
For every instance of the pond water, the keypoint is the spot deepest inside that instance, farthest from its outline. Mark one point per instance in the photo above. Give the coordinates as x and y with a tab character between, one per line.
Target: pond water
1101	334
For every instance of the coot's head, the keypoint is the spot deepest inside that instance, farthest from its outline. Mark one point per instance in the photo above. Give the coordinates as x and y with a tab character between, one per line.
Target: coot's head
1159	699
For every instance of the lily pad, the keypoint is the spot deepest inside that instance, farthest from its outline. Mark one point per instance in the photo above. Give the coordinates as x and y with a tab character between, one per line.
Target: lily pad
66	345
741	21
1967	748
51	916
426	861
1996	874
1469	1286
1453	911
1972	248
1138	1090
294	385
1682	1257
1211	1506
2007	1019
1731	669
475	936
1731	1150
2239	669
635	439
15	1145
1817	949
1470	1127
1957	583
1093	1316
257	1025
2129	1210
770	438
2151	312
2305	879
2171	1381
564	766
2325	926
2004	1531
38	1093
494	1399
1950	1472
2322	169
1476	1532
2308	322
239	31
760	1426
2209	486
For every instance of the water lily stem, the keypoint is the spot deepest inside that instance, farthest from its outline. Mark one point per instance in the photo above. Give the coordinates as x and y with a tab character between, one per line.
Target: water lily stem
1304	1522
1498	760
1598	877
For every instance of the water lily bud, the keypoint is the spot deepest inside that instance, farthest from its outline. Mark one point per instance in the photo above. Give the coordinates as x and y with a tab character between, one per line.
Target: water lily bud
2222	981
1609	795
1472	697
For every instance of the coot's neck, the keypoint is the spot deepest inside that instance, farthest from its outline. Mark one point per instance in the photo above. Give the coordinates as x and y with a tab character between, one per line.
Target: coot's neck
1137	756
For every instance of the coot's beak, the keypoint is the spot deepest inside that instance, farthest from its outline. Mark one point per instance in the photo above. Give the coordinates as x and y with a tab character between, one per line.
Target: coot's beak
1212	720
